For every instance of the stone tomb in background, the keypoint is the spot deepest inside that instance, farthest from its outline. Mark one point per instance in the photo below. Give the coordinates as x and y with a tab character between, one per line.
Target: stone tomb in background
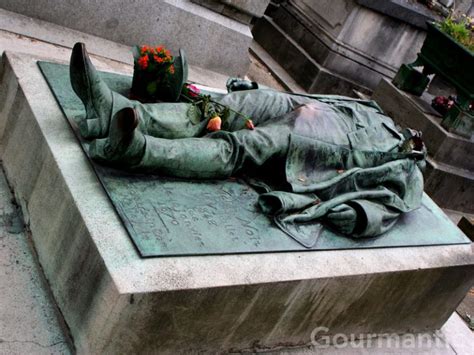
449	177
115	301
336	46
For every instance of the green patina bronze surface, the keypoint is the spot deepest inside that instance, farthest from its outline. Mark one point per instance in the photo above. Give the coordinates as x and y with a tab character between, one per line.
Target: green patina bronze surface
167	216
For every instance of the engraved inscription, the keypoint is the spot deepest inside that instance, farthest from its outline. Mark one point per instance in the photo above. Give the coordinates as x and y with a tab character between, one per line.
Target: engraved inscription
170	215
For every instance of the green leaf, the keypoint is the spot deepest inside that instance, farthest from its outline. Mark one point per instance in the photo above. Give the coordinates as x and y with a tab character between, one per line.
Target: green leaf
225	118
194	114
225	114
206	109
151	87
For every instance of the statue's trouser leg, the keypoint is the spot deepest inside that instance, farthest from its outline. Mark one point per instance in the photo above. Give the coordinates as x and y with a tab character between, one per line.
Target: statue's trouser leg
169	120
163	120
218	155
261	106
175	120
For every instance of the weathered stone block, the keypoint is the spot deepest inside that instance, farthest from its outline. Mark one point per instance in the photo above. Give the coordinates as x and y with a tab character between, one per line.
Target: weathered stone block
312	77
409	12
116	302
449	178
251	7
352	42
211	40
459	121
410	80
411	111
222	8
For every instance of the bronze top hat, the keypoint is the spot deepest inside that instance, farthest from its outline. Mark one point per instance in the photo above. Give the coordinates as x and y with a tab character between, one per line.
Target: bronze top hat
159	86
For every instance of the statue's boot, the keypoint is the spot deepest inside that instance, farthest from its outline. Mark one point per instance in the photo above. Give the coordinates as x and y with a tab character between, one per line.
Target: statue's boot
167	120
127	147
94	93
122	130
125	144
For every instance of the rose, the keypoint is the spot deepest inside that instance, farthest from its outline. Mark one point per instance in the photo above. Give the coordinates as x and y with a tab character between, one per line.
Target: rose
214	124
249	124
193	91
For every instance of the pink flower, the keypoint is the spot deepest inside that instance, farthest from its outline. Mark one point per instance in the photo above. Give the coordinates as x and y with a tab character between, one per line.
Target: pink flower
193	90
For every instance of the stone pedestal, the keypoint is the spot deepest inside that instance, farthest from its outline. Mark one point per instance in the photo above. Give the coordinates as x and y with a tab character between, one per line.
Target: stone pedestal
335	46
211	40
449	178
116	302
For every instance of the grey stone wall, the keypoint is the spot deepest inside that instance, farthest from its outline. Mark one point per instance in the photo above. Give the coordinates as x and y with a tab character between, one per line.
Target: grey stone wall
355	44
211	40
241	10
252	7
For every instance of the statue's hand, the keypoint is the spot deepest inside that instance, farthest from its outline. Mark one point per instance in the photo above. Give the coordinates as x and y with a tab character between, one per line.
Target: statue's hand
343	218
237	84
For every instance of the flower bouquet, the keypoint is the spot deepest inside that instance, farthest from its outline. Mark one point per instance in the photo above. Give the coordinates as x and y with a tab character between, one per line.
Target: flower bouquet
217	114
153	74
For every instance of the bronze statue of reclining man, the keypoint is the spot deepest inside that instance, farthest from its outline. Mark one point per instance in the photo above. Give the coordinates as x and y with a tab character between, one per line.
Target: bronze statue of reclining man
328	158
